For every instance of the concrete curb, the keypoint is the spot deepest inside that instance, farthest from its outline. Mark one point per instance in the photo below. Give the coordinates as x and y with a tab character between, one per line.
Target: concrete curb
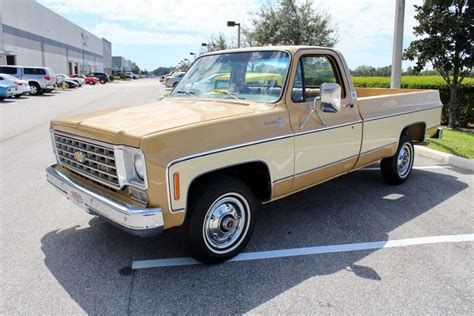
441	157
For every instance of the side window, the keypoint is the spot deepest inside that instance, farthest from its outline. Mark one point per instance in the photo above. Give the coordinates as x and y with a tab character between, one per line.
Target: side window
34	71
8	70
298	88
312	72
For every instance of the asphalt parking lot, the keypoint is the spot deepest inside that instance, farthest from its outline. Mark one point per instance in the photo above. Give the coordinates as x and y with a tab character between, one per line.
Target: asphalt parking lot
56	259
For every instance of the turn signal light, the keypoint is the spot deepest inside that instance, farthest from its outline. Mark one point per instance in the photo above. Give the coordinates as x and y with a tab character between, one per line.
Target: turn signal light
176	185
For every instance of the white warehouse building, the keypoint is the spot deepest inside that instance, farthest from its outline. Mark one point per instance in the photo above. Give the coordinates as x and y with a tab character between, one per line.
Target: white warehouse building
33	35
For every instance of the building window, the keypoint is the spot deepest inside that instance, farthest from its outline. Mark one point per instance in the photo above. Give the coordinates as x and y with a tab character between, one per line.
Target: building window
11	60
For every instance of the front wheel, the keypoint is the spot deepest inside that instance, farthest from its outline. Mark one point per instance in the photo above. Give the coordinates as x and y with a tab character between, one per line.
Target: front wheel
102	81
222	217
397	169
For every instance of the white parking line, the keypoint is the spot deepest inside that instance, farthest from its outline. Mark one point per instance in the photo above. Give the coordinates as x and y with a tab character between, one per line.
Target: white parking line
270	254
419	168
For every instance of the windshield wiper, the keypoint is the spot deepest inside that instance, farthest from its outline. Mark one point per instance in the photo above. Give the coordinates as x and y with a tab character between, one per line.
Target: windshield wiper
232	95
186	92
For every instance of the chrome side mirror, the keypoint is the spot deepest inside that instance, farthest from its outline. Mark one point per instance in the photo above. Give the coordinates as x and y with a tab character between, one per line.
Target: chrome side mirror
330	97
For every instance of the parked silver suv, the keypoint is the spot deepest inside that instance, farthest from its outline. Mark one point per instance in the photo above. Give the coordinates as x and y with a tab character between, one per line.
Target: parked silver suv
40	79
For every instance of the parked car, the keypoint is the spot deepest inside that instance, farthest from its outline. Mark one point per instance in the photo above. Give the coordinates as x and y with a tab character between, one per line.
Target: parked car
64	79
162	78
132	75
6	91
40	79
87	80
22	86
173	80
80	81
102	76
262	142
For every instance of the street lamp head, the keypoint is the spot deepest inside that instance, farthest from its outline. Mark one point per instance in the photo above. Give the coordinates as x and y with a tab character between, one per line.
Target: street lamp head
231	23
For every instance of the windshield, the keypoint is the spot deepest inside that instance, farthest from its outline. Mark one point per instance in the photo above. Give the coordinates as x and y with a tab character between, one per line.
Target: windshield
254	76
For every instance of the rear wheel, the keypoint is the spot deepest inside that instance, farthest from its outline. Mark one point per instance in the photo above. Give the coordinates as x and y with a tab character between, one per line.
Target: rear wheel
397	169
221	221
102	81
35	88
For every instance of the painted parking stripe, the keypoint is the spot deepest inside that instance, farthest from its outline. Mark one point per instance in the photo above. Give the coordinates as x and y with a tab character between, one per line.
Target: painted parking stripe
271	254
418	168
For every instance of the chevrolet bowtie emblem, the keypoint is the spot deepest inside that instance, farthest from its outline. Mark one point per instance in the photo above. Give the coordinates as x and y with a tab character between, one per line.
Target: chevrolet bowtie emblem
79	156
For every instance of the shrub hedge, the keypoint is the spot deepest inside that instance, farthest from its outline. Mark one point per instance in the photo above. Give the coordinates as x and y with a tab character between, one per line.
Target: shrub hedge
465	112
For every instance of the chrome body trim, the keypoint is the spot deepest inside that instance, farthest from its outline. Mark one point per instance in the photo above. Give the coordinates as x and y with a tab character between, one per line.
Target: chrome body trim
134	220
328	128
398	114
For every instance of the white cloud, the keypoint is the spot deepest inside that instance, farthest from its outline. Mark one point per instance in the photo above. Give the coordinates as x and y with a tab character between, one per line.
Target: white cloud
199	18
365	27
118	34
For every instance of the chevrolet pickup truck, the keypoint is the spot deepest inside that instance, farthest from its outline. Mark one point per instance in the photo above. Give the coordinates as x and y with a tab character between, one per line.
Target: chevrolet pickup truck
209	153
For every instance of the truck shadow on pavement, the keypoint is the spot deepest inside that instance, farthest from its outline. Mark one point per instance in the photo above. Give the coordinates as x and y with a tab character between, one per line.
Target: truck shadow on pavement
357	207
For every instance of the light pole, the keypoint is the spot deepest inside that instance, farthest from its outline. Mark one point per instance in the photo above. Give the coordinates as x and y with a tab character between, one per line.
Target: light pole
193	54
397	45
232	24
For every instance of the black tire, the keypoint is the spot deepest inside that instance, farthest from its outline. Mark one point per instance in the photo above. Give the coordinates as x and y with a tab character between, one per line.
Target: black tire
35	89
102	81
2	98
397	169
18	96
175	84
231	230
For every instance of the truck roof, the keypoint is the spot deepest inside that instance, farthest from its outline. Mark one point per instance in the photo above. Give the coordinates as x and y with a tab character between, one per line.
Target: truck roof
290	48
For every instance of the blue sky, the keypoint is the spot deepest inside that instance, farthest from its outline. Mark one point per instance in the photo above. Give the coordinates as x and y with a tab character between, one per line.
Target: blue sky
157	33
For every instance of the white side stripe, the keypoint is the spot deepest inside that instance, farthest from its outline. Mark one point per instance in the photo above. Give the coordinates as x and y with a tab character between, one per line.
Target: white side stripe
418	168
270	254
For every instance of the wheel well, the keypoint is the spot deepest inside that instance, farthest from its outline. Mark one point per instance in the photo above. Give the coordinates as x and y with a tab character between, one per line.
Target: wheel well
33	82
416	132
255	174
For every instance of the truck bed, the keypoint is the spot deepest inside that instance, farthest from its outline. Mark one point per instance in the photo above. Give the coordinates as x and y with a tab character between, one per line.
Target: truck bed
386	112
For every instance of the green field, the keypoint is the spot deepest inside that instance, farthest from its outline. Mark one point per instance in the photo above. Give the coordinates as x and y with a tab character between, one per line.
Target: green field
454	142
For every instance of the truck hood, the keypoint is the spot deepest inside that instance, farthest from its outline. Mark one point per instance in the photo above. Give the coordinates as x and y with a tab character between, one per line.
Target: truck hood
128	125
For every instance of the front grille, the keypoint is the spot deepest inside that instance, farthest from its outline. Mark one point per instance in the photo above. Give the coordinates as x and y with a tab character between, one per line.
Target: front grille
89	158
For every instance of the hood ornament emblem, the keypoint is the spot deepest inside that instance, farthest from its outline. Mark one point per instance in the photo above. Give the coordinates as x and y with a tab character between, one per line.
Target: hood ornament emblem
79	156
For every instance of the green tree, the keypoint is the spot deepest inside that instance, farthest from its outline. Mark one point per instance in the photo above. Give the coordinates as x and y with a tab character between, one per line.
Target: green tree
446	31
218	42
288	23
135	68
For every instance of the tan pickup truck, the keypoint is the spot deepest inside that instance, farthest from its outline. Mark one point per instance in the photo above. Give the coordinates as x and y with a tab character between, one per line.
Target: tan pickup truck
242	127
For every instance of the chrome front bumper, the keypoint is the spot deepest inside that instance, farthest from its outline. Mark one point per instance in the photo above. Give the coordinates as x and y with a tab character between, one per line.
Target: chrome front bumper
141	222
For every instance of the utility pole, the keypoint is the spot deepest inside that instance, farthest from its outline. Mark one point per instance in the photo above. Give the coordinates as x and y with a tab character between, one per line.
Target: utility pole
397	45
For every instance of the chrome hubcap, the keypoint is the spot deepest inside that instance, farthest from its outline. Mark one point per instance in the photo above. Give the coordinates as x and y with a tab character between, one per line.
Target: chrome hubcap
404	160
33	89
226	223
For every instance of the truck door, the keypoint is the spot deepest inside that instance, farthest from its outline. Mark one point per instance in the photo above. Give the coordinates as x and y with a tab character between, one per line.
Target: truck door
326	144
